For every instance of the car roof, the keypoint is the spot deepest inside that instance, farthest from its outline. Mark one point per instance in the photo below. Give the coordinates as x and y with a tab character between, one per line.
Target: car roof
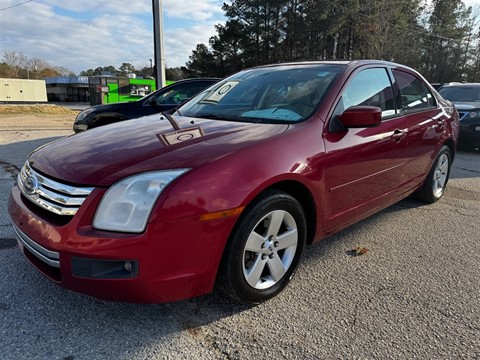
197	79
462	85
347	63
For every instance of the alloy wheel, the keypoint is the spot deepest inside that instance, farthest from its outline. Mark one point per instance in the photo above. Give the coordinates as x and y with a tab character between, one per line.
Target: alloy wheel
270	249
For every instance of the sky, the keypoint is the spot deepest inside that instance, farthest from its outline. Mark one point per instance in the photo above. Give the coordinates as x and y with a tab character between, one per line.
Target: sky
85	34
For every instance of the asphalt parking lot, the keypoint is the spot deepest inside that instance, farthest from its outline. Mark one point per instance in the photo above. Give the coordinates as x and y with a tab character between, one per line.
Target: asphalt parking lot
415	294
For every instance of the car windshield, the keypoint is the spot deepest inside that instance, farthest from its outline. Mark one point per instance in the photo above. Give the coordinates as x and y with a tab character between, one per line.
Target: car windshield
461	93
280	94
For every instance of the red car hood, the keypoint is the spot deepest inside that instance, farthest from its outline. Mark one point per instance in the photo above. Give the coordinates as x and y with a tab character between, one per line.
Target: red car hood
102	156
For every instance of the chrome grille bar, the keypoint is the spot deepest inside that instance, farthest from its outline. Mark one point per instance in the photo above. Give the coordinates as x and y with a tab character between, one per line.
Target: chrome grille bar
63	188
49	257
56	197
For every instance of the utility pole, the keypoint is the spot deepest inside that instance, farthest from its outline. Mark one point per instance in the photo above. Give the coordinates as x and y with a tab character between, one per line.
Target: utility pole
158	43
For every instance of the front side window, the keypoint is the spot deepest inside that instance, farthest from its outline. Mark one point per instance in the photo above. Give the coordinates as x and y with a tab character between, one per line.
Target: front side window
414	94
281	94
370	87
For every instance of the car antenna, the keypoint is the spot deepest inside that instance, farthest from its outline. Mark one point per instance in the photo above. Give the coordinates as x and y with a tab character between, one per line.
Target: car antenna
171	120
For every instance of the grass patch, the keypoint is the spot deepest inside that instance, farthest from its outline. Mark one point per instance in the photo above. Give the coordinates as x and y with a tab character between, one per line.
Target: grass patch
36	110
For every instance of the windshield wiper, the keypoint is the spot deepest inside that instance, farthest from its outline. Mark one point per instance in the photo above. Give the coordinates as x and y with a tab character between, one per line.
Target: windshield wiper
213	117
171	120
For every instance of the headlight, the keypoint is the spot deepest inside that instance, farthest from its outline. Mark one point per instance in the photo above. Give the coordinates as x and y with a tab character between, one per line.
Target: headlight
84	113
126	206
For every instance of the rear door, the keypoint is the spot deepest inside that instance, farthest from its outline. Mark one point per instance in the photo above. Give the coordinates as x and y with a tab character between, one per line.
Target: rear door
425	120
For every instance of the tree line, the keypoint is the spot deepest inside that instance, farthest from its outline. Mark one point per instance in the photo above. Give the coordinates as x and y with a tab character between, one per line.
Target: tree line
144	71
16	65
440	38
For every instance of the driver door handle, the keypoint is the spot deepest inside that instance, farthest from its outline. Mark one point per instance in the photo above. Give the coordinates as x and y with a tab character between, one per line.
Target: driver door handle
399	135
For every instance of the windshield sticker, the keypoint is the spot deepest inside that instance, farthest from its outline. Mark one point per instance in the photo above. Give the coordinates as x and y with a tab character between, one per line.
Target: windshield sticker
221	92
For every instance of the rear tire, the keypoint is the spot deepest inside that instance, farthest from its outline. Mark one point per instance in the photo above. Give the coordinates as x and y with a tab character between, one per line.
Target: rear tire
437	179
264	249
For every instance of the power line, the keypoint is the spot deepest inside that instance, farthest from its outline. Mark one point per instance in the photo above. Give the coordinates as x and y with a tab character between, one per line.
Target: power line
9	7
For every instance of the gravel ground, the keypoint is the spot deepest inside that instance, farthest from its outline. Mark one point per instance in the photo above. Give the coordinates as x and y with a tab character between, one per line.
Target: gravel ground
32	122
415	294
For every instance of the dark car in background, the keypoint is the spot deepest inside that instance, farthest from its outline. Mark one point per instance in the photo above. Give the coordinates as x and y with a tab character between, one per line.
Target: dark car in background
164	99
466	98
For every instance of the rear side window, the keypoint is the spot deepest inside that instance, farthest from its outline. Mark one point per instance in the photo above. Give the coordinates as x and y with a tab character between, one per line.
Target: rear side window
414	94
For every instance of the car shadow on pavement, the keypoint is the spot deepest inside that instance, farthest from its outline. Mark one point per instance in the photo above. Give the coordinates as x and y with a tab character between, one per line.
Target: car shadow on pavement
348	238
33	305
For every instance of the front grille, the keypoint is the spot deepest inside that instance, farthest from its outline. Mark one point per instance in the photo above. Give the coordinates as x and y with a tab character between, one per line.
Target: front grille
56	197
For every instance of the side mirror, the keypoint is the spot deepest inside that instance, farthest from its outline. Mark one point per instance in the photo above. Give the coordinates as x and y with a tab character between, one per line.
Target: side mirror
361	116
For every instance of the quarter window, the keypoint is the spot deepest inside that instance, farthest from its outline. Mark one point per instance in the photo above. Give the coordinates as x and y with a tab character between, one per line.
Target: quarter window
414	95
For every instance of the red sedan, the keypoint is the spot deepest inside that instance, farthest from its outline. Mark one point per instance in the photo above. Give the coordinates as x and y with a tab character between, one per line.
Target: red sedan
228	190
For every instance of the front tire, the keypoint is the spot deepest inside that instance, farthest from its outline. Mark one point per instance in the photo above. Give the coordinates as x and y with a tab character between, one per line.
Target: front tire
437	179
264	249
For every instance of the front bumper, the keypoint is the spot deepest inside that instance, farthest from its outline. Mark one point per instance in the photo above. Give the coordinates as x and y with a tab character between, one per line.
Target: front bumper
170	261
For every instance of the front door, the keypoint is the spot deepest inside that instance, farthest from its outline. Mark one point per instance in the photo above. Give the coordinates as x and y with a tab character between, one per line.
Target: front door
364	166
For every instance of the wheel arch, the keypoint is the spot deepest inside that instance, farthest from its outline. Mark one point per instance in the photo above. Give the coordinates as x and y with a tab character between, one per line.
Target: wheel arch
451	145
306	200
303	195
